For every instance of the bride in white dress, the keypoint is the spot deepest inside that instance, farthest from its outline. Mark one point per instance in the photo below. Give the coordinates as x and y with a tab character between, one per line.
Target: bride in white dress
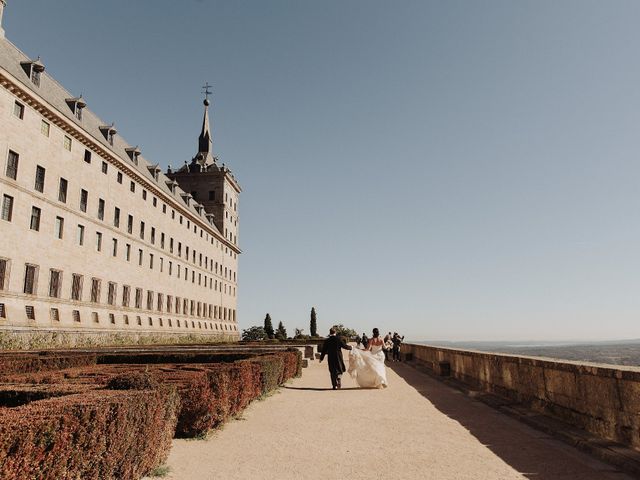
367	366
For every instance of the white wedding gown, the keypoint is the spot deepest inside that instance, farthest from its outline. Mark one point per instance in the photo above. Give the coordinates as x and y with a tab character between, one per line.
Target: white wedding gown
367	367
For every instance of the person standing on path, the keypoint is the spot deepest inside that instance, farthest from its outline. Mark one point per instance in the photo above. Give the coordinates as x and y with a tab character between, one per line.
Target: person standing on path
397	341
332	348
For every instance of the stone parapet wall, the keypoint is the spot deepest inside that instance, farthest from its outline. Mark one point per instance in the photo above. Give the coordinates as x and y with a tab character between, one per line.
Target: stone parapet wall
603	400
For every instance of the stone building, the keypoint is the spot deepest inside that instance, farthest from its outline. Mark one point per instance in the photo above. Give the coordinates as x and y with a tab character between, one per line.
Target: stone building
93	236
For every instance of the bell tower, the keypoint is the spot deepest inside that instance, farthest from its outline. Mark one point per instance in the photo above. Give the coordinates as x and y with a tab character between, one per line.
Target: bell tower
210	184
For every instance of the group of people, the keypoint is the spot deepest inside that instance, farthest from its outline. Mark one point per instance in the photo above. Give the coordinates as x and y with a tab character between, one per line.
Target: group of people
391	344
366	361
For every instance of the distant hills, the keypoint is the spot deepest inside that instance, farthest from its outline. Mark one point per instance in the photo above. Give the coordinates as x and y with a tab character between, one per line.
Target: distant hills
613	352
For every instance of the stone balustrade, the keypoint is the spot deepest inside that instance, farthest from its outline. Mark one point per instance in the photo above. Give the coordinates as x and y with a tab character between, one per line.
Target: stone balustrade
603	400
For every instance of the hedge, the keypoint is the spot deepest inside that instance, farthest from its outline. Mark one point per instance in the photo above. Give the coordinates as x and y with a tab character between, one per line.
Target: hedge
53	431
99	435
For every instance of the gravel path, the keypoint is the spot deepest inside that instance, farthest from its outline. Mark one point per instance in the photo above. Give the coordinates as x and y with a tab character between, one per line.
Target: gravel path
418	428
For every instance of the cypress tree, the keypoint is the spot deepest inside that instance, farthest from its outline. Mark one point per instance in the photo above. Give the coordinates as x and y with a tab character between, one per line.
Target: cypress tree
281	332
313	327
268	327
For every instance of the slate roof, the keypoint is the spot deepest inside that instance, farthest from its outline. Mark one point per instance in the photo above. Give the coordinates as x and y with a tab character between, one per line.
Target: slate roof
56	96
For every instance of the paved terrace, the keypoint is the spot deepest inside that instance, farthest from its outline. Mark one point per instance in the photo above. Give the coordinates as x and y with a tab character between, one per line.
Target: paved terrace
417	428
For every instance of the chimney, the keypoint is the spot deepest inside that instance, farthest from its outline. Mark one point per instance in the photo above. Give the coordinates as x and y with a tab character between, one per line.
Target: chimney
3	3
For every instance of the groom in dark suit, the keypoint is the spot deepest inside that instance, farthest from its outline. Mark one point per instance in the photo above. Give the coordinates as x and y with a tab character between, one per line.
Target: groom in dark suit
332	347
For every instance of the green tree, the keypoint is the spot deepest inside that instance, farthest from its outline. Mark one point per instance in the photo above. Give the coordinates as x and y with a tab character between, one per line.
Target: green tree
268	327
281	332
253	334
342	331
313	325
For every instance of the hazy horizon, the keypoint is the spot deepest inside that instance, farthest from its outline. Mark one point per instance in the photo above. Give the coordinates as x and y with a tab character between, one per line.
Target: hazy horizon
450	170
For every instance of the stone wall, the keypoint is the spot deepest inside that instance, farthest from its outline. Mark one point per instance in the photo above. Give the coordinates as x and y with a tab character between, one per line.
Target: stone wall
603	400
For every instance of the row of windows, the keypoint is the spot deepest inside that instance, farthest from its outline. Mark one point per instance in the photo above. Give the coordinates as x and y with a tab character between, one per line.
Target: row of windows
6	213
63	188
54	315
19	110
128	297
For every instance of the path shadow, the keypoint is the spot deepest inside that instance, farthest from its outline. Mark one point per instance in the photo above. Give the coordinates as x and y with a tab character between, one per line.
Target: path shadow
320	389
532	453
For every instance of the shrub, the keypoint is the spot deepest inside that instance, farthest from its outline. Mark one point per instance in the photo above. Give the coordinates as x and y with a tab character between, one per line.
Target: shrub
133	381
97	435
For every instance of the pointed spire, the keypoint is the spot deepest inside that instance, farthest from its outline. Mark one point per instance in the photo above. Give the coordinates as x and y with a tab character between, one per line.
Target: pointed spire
205	141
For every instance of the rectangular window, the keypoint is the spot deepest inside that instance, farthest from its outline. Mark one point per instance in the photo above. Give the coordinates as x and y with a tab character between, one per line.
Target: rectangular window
4	273
80	235
169	303
30	279
18	110
162	241
76	287
160	302
87	156
114	248
126	295
62	190
95	290
35	219
12	165
138	298
140	256
55	282
67	143
116	217
161	264
170	267
149	300
45	128
35	76
128	252
155	202
99	241
111	293
30	311
132	187
55	315
125	318
130	224
105	167
100	209
76	316
171	245
119	177
151	261
84	199
59	227
7	208
94	317
40	172
144	194
153	235
142	230
112	318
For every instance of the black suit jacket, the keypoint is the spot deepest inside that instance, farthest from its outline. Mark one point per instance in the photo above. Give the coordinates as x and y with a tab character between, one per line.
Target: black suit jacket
332	349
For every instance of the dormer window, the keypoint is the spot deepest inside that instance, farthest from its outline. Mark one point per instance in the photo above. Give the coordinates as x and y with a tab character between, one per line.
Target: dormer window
186	197
199	208
134	153
109	132
76	105
172	184
155	171
34	69
210	217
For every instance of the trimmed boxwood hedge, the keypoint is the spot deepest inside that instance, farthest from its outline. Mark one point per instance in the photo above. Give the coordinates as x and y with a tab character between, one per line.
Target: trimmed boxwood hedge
121	424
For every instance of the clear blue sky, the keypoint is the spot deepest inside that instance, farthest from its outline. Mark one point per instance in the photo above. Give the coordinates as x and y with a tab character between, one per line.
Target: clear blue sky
446	169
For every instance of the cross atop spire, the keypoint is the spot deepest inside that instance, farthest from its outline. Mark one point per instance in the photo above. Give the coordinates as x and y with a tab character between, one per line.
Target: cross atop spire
205	90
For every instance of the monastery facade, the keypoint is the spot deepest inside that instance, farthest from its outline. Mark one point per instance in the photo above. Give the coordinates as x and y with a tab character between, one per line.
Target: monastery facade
93	236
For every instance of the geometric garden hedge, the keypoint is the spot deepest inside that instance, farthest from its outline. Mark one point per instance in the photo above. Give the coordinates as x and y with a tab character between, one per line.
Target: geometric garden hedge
112	416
